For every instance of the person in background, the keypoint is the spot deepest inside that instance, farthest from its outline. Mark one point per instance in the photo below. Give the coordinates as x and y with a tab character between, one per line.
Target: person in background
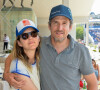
25	55
96	69
62	59
6	41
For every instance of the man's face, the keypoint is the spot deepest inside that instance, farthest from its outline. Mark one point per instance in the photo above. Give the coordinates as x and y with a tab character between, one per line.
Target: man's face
60	27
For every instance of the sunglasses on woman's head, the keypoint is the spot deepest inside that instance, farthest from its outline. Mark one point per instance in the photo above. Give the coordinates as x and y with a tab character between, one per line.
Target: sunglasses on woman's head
26	35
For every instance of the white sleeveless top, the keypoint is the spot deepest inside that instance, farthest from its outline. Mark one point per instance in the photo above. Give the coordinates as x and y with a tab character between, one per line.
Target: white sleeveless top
18	67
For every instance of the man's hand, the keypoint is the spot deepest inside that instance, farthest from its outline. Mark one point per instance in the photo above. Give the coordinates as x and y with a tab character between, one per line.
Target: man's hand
14	80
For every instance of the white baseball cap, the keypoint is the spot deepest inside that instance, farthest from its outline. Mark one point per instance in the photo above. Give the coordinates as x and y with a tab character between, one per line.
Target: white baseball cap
23	25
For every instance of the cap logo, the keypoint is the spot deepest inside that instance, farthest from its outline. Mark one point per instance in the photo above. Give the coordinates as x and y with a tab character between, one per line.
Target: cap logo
55	12
26	22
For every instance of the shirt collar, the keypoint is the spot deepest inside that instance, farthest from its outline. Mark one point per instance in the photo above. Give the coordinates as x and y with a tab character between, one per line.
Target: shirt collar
48	41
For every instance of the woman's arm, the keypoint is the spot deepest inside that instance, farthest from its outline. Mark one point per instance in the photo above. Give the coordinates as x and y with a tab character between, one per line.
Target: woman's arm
7	64
98	72
10	77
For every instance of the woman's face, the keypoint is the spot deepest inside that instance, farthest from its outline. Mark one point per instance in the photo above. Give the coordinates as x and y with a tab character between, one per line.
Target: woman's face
93	62
30	43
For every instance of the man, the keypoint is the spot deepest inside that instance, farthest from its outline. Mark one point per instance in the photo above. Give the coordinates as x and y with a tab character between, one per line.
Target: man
6	41
62	60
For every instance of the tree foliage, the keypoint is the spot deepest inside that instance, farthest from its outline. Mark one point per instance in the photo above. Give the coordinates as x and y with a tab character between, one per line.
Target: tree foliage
79	32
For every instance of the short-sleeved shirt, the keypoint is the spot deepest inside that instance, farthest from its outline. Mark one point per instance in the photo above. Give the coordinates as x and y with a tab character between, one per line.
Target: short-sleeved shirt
6	39
63	71
17	66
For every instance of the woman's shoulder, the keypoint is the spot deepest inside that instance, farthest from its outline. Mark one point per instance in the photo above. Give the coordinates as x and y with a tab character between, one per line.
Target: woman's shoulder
16	62
97	65
18	67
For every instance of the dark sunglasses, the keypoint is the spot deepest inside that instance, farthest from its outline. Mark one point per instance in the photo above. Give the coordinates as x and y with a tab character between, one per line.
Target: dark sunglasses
26	35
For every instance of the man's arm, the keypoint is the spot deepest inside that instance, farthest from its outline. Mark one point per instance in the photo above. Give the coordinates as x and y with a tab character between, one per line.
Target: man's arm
29	84
91	81
10	77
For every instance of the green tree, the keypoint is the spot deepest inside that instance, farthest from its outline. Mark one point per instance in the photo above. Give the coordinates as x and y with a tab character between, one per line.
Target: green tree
79	32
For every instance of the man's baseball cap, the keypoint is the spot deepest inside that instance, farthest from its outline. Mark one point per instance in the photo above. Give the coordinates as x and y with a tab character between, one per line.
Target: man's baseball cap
23	25
60	10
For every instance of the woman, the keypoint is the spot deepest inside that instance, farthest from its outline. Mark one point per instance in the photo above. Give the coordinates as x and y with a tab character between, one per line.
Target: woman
26	55
96	68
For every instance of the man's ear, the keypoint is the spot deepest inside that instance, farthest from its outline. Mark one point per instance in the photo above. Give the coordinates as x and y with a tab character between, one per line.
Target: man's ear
19	43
